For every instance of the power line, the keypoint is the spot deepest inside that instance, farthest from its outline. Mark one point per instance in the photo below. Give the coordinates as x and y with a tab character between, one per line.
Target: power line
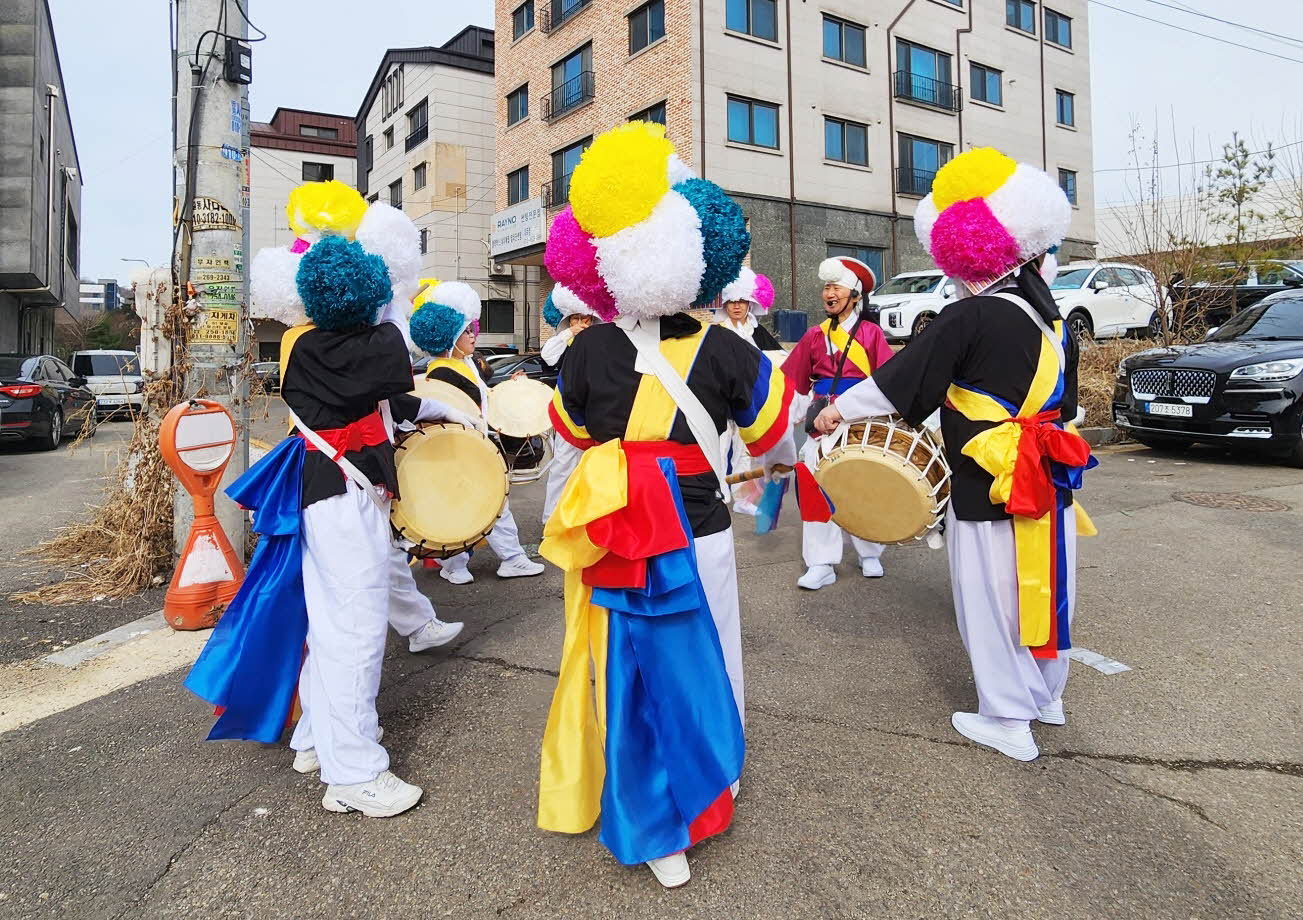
1253	153
1224	41
1227	22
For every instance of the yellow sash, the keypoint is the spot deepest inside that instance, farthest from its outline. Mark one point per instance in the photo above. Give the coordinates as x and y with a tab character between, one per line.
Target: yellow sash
841	339
996	451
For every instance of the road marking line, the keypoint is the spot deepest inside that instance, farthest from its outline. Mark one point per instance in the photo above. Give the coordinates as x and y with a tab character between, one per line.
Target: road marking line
1097	661
82	652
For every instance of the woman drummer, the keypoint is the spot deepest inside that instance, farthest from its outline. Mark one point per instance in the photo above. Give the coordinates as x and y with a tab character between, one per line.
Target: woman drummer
569	315
445	326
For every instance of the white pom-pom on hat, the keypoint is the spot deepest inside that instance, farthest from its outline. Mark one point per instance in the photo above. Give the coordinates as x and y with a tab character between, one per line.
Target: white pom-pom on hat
273	287
460	296
654	268
568	303
925	218
849	273
679	171
389	233
1032	207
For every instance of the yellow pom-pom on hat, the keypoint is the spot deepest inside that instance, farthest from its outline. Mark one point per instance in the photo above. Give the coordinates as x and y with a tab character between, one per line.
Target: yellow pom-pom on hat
425	291
621	178
325	207
974	174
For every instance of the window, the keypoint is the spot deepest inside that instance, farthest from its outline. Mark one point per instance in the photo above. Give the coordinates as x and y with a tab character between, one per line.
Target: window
561	10
753	17
1021	14
373	198
418	125
572	83
845	141
646	25
522	19
985	84
318	172
518	104
920	158
498	317
1129	277
751	122
1068	182
869	255
73	241
389	138
1065	108
563	164
424	241
318	131
654	113
1058	28
369	153
418	177
396	193
923	75
391	92
518	185
843	41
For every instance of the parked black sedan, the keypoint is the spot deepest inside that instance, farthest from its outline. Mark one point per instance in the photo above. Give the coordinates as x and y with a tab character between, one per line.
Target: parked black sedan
1242	386
504	367
41	400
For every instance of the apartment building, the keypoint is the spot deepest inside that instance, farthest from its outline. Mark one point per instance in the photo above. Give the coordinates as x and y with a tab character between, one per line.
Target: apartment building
825	120
40	208
426	144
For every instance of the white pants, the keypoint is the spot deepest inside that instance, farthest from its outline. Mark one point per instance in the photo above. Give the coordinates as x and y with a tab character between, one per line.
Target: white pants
736	456
356	583
717	563
565	457
503	539
1011	684
821	544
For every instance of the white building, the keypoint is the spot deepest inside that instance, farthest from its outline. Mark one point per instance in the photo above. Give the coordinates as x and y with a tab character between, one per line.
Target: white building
296	146
426	144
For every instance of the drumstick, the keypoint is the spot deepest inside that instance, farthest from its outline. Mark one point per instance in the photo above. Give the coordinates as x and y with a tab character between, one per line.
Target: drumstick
755	474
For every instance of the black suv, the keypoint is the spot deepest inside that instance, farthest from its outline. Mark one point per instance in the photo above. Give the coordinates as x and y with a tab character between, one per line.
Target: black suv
1242	386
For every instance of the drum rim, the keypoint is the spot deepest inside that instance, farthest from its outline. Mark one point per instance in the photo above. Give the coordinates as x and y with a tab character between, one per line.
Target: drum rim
496	395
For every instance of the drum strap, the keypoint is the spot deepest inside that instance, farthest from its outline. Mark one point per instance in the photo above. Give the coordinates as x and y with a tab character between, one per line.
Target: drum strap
1055	342
646	339
345	465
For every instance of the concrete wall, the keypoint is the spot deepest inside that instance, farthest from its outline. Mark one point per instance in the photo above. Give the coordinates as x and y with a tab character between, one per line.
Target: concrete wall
273	174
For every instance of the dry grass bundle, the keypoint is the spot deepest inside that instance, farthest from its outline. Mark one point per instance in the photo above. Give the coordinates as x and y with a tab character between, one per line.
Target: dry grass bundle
1097	372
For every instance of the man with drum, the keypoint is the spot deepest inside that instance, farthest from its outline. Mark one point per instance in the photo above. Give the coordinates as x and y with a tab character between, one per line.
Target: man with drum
831	358
445	326
1003	369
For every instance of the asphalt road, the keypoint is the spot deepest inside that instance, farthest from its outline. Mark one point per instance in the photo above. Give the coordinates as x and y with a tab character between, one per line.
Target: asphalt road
1174	791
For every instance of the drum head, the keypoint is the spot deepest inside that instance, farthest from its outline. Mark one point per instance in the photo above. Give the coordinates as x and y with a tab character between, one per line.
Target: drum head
447	394
878	497
519	408
453	484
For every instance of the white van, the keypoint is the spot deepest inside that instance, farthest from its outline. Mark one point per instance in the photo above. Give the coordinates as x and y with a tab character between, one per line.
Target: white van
909	301
114	377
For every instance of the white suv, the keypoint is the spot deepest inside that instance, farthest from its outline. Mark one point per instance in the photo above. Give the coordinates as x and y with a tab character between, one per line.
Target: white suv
114	377
1106	299
909	301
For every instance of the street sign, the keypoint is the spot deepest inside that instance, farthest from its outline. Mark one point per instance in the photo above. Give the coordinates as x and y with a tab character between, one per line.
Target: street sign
217	326
521	225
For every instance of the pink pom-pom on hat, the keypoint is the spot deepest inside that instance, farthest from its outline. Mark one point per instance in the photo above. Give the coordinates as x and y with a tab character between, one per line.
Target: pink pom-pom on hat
970	243
764	291
571	259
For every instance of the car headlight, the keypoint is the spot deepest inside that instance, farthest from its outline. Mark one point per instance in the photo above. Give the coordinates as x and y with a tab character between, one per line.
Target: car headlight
893	318
1269	370
1123	371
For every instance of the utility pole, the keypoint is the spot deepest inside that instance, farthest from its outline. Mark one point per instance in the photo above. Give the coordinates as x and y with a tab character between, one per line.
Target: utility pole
211	174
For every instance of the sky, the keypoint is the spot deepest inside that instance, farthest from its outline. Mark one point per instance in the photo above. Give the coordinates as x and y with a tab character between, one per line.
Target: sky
322	55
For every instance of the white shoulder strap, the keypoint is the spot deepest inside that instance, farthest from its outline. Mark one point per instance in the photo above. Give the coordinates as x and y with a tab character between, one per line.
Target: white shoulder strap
345	465
645	336
1036	318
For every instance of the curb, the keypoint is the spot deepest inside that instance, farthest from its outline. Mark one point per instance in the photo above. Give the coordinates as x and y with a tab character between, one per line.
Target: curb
1098	437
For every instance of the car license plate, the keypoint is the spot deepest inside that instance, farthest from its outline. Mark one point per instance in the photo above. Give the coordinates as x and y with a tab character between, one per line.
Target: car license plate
113	400
1175	410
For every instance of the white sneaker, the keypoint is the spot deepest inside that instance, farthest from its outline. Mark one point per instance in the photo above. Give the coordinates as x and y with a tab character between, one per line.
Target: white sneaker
383	797
671	871
456	576
432	635
816	577
871	568
519	567
1015	742
1052	714
308	761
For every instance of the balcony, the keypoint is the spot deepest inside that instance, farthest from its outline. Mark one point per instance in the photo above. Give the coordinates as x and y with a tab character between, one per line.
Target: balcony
556	193
914	181
558	12
914	87
569	96
416	138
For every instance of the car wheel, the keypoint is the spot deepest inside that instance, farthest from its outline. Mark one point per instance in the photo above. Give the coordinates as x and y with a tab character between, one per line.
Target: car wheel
1155	328
55	437
1082	328
1160	442
920	323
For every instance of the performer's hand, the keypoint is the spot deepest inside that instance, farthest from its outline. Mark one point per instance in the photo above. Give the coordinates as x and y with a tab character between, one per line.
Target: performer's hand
827	421
517	375
776	472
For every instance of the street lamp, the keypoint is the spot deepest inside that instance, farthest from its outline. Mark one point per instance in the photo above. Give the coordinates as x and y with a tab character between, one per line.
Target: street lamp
141	261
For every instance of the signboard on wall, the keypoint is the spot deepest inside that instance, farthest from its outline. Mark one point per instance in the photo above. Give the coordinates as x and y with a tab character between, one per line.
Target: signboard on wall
522	225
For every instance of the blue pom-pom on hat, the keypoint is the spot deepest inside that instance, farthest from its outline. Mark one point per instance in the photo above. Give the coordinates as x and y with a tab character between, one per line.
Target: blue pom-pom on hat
551	315
435	327
341	284
723	234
